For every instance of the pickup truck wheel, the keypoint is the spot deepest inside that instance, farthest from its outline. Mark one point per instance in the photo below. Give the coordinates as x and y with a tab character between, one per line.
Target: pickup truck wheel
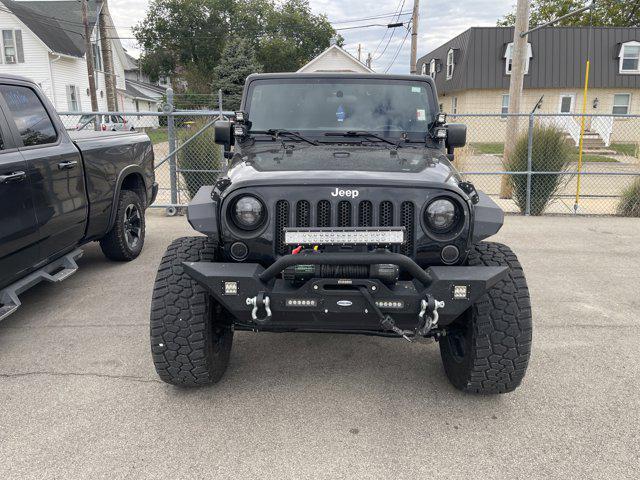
125	240
191	335
487	350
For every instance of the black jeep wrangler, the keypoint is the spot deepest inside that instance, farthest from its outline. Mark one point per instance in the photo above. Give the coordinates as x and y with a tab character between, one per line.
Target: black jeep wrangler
341	212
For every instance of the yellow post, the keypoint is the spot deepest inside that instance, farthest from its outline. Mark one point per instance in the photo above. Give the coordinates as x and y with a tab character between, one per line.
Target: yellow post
582	127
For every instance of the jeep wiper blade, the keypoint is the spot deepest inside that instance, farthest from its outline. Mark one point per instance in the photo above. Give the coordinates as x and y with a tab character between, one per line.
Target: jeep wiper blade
274	132
362	134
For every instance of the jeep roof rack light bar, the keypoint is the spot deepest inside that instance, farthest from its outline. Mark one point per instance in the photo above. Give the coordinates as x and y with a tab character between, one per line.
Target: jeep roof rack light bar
373	258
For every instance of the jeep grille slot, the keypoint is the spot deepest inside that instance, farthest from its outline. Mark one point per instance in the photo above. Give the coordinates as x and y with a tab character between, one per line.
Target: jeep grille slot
386	214
282	221
365	214
303	214
344	213
407	220
324	213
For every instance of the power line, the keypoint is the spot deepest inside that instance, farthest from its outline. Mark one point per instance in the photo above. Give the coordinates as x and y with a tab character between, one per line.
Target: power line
398	9
386	15
404	40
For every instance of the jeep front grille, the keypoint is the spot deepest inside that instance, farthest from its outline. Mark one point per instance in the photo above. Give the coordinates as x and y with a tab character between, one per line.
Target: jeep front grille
345	213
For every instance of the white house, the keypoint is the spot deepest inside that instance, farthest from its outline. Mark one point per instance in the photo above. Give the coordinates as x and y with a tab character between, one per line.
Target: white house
335	59
43	40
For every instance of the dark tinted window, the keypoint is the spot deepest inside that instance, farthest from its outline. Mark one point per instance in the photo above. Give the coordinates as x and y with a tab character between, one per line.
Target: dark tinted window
31	118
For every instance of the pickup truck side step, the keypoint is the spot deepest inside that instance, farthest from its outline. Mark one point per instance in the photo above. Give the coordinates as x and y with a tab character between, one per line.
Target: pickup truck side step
63	267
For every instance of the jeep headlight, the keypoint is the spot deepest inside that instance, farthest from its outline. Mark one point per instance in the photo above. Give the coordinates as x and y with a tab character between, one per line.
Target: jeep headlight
247	213
441	215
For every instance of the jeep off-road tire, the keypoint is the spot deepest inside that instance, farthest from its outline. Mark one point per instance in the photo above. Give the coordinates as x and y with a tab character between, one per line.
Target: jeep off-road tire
191	336
125	240
487	350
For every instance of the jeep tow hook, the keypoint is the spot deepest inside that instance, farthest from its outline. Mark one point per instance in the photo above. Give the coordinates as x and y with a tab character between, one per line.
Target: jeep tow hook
260	302
428	316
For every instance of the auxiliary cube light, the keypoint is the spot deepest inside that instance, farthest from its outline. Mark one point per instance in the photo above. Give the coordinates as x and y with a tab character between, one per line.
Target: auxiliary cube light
460	292
230	288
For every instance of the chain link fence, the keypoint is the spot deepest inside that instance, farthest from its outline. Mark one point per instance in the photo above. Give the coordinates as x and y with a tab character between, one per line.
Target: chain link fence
544	175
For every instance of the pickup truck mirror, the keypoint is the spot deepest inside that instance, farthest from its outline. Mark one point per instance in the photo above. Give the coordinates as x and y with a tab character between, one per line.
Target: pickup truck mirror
456	135
222	132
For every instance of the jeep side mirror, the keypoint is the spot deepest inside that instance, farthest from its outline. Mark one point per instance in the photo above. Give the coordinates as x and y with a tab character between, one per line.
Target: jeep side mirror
456	135
222	133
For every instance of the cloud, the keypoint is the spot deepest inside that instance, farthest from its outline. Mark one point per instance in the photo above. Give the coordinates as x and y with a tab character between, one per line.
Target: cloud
440	20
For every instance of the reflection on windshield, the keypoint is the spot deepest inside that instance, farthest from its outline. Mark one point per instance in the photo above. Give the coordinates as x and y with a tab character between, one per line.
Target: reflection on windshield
311	105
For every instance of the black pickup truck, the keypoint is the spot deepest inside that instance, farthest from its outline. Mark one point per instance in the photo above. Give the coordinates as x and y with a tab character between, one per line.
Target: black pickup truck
60	190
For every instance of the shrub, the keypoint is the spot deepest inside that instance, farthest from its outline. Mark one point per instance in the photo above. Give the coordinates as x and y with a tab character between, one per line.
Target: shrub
550	153
629	205
201	159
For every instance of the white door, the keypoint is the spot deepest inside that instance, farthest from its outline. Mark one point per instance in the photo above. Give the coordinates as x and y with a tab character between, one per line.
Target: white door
567	102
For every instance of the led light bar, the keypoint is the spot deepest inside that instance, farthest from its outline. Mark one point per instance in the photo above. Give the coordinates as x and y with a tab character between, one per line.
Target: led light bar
393	304
350	236
301	302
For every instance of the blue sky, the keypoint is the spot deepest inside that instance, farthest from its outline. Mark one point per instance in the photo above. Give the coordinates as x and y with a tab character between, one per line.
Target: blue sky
440	20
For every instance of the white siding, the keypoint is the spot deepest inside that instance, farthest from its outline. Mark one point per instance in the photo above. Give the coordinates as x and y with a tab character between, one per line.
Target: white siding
36	59
73	71
334	60
144	106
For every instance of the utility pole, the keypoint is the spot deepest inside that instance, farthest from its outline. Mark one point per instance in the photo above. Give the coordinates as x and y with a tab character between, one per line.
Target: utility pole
369	60
89	54
519	54
359	52
415	20
107	58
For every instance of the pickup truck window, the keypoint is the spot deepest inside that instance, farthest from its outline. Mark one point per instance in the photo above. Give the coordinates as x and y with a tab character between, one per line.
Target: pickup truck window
30	116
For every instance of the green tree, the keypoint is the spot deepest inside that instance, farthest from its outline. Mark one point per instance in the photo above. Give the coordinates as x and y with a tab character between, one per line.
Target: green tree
608	13
185	38
238	61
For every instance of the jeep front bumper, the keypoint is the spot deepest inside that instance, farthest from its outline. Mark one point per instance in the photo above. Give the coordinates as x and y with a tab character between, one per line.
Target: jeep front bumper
339	304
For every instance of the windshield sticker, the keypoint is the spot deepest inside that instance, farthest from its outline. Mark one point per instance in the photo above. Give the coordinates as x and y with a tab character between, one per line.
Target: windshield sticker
340	115
421	114
416	89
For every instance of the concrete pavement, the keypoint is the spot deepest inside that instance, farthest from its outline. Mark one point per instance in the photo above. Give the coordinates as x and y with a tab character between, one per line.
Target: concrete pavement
79	397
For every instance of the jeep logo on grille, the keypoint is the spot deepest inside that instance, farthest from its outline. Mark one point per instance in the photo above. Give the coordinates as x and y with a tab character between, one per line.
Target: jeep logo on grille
345	193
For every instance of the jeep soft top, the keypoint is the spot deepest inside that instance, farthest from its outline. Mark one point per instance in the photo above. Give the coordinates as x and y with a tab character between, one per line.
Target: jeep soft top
341	211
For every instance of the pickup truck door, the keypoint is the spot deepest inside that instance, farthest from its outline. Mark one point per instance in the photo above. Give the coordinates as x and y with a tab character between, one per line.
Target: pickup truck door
55	168
18	224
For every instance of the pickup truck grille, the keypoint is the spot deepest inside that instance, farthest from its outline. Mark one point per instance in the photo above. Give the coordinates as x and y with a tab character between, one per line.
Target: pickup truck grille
345	213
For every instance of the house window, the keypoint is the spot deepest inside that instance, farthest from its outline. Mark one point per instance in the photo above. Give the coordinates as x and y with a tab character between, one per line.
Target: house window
621	103
454	105
630	57
505	105
450	64
508	57
12	49
432	68
424	69
73	98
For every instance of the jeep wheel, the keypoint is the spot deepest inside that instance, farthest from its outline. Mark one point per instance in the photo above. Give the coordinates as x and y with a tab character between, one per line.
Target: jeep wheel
487	350
190	337
125	240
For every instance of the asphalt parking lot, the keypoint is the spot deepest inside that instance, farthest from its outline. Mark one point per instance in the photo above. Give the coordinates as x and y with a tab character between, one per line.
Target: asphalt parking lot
79	397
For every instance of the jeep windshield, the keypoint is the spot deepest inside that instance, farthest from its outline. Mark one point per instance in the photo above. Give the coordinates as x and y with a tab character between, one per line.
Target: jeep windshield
317	106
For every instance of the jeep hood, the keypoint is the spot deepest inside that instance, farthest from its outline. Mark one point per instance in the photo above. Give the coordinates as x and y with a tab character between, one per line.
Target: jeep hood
272	164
